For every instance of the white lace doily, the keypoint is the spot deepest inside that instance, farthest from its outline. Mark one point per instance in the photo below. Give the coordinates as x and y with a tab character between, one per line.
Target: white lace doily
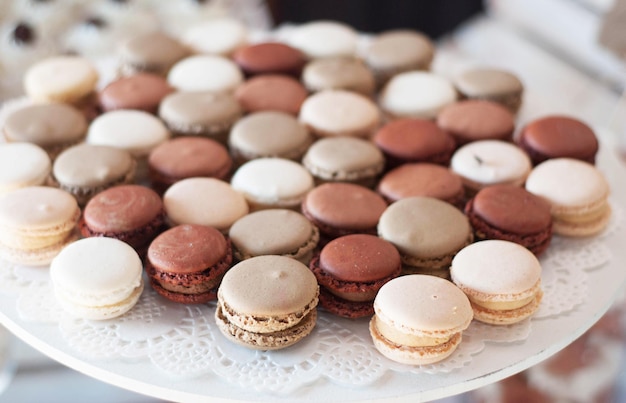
184	341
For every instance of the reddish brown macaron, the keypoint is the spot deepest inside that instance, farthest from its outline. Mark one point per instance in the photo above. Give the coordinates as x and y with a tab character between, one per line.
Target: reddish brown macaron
339	209
271	92
414	140
558	137
270	58
142	91
422	179
186	263
351	269
187	157
511	213
474	119
131	213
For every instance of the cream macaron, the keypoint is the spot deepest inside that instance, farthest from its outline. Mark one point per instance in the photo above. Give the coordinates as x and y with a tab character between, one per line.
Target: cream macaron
322	39
502	280
204	201
216	36
272	183
419	319
97	278
36	222
205	73
267	302
578	195
21	165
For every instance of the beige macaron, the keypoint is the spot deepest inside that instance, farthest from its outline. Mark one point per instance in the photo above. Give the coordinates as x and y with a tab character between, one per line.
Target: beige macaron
419	319
21	165
338	73
502	280
267	302
340	113
204	201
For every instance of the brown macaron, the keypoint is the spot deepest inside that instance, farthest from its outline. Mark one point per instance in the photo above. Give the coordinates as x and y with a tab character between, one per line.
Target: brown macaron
271	92
511	213
422	179
339	209
143	91
187	157
186	263
473	120
270	58
414	140
558	137
131	213
351	269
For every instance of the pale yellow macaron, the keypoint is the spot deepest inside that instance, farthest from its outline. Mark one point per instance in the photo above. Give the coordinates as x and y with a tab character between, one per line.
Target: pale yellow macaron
36	222
21	165
502	279
419	319
62	79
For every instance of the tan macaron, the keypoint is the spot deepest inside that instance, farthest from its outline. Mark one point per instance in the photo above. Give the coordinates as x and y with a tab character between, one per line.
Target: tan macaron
502	280
419	319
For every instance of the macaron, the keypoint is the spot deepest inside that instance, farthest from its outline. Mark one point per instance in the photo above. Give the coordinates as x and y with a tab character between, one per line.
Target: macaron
52	126
22	165
142	91
97	278
66	79
511	213
351	269
324	38
187	157
268	134
152	52
204	201
428	233
267	303
205	73
36	222
200	113
86	169
416	94
422	179
339	209
271	92
558	137
186	263
472	120
270	58
419	319
340	113
216	36
272	183
502	280
490	162
492	84
344	159
397	51
131	213
414	140
578	195
338	73
274	232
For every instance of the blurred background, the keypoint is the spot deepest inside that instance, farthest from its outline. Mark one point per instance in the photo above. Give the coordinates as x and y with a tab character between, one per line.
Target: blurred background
572	49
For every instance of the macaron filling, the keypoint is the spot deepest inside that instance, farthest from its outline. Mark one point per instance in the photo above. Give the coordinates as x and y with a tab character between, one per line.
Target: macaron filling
399	337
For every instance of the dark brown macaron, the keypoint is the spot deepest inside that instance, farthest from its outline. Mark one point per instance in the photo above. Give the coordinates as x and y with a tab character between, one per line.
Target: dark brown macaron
339	209
187	157
473	120
351	269
186	263
142	91
271	92
511	213
414	140
422	179
558	137
270	58
131	213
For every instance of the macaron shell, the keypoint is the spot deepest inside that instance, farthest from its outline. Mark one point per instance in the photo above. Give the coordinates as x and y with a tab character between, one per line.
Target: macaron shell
88	165
270	58
36	257
271	92
154	52
143	91
216	36
21	165
508	317
472	120
398	50
62	79
205	73
338	73
322	39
